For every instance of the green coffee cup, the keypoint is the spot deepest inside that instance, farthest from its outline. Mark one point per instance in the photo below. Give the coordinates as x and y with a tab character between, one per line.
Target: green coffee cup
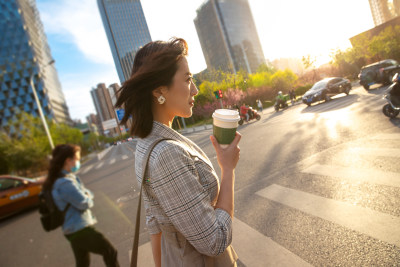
225	123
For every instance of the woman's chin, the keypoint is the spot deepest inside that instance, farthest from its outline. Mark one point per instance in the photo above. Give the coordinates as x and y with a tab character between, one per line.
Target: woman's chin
187	114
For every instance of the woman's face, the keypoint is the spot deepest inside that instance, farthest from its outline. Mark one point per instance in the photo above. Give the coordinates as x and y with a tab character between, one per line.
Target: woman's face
180	94
71	162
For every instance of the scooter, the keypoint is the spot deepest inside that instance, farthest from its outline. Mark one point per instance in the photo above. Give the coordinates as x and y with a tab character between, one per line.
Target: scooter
280	105
253	115
392	109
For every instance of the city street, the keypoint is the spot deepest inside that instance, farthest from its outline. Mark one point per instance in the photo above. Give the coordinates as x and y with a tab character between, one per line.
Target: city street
315	186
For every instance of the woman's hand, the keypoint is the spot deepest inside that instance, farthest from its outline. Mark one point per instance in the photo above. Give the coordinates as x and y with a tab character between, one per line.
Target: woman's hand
227	157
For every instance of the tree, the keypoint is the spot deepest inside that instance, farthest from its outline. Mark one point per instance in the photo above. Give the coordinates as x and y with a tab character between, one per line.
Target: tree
26	152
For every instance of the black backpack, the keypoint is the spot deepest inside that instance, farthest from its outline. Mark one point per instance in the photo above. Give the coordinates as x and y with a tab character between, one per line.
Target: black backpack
50	216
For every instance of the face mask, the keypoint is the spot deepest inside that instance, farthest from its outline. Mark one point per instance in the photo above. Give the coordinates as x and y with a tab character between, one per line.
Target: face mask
76	167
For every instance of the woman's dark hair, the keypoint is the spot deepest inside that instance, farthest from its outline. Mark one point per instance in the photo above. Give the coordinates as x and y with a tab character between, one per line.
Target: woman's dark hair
155	65
60	154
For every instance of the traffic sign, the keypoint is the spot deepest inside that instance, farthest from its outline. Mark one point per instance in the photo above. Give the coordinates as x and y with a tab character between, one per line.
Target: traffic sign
120	114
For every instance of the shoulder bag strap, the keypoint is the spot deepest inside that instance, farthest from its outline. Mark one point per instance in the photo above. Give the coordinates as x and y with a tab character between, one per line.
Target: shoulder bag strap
145	161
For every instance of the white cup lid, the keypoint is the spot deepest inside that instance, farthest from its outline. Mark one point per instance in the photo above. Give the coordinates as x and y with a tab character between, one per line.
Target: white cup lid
226	115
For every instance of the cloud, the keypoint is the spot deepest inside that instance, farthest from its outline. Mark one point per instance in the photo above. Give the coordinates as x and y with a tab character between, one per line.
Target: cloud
77	87
77	22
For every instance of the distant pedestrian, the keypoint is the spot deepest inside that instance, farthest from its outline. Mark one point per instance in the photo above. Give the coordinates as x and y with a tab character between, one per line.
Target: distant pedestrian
292	96
260	105
69	192
188	214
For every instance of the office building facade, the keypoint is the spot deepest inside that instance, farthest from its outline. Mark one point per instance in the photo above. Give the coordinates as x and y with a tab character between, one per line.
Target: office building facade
384	10
25	55
103	99
228	36
126	30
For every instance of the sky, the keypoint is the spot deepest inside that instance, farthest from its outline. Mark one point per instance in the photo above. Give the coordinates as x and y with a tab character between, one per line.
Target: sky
286	28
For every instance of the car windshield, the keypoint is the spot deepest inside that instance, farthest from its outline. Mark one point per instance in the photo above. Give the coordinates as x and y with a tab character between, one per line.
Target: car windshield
319	85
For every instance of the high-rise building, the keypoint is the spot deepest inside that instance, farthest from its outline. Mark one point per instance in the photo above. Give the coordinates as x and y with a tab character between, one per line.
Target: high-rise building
103	102
25	55
126	30
228	35
384	10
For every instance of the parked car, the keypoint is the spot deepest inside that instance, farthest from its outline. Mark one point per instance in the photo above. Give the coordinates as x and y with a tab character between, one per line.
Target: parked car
324	89
379	72
18	193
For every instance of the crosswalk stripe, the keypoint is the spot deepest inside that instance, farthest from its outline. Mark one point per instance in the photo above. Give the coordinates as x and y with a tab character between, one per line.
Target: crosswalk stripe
389	136
364	175
124	157
87	169
372	223
112	161
252	247
100	165
377	152
255	249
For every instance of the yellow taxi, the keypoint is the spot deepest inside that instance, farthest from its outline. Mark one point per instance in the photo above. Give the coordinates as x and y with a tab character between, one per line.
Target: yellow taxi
18	193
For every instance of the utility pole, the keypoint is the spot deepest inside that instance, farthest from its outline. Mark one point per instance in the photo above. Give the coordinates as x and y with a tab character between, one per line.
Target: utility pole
39	106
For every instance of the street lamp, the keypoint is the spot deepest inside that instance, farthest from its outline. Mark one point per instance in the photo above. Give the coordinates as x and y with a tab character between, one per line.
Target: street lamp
46	128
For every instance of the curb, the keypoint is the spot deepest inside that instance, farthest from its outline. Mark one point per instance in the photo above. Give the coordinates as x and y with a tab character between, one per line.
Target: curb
196	129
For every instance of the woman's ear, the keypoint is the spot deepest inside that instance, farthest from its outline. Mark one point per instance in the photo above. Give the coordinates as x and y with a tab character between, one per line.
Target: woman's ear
159	91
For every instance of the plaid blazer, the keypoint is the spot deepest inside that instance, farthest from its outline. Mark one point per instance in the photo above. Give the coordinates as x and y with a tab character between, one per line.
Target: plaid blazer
180	191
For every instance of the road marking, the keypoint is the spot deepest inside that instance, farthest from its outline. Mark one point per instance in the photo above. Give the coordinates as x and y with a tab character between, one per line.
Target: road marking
124	157
100	165
390	136
255	249
112	161
87	169
377	152
364	175
372	223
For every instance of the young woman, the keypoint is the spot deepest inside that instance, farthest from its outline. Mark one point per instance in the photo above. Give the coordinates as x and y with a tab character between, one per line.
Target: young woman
188	213
69	192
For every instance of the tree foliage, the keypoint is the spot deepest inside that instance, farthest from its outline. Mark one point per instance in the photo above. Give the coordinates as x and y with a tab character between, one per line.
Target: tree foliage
26	152
366	50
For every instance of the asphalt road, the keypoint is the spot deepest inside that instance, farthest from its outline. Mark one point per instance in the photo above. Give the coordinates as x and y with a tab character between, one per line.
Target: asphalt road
315	186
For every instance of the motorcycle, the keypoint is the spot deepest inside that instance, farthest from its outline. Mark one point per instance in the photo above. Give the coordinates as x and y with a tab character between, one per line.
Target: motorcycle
253	115
280	104
392	109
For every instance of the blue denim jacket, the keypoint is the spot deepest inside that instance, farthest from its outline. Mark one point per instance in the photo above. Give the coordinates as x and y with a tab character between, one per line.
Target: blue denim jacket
70	189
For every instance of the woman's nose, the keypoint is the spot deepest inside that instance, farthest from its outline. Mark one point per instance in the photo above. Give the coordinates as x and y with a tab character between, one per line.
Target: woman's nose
193	89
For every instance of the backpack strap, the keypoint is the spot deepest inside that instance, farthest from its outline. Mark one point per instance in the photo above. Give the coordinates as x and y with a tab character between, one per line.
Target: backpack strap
145	161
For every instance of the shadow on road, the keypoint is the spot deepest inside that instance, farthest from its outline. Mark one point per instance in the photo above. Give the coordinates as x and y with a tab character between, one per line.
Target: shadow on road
395	121
377	90
273	115
334	104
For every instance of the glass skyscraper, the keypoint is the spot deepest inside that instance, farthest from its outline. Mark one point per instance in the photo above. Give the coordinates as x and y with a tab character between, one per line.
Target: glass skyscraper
126	30
384	10
228	35
24	53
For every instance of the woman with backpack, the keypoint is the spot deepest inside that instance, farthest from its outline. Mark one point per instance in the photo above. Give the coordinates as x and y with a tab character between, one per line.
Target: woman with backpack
188	212
70	194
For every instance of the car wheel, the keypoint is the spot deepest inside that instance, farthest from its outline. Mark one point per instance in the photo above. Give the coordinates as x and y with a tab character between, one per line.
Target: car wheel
385	110
309	104
366	87
241	122
327	98
347	90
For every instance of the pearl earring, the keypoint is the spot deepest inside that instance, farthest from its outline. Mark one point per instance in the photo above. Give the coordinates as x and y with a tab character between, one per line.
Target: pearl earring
161	99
